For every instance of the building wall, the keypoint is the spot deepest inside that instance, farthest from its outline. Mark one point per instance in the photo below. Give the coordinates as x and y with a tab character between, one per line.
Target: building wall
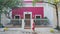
48	10
28	7
4	19
30	0
34	10
59	14
27	0
55	17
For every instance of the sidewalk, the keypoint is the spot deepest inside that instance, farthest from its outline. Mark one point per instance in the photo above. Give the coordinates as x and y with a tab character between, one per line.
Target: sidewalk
38	30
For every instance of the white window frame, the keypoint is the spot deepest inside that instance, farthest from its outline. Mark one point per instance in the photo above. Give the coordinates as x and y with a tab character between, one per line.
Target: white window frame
38	15
30	18
17	15
28	13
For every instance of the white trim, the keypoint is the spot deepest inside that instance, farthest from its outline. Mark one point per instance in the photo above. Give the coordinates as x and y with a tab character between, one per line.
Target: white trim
38	15
30	17
28	13
17	15
23	23
27	0
37	5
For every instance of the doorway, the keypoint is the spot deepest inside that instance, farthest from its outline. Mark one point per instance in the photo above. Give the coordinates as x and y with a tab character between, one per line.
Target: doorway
27	20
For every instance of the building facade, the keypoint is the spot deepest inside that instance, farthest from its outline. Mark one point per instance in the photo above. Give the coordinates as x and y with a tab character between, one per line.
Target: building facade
28	11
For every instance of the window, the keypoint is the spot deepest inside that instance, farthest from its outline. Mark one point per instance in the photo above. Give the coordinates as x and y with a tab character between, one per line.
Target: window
37	20
16	22
17	17
37	16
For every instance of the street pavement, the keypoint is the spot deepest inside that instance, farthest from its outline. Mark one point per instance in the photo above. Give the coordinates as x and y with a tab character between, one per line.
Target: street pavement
39	31
19	32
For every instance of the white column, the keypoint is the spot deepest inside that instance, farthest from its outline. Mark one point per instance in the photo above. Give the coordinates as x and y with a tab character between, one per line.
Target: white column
31	23
23	24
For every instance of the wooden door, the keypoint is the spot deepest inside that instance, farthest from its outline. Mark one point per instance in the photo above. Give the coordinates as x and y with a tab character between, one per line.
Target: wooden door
27	21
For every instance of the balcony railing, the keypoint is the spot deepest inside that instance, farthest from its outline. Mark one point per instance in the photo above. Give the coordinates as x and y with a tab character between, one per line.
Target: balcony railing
19	23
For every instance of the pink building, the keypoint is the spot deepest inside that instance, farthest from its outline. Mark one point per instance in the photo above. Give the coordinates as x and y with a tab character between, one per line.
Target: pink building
28	11
35	11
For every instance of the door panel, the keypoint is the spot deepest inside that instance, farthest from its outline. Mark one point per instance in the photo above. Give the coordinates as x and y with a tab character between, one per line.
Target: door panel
27	21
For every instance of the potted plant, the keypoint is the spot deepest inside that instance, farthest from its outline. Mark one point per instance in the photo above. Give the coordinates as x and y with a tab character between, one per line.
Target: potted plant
1	26
46	21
